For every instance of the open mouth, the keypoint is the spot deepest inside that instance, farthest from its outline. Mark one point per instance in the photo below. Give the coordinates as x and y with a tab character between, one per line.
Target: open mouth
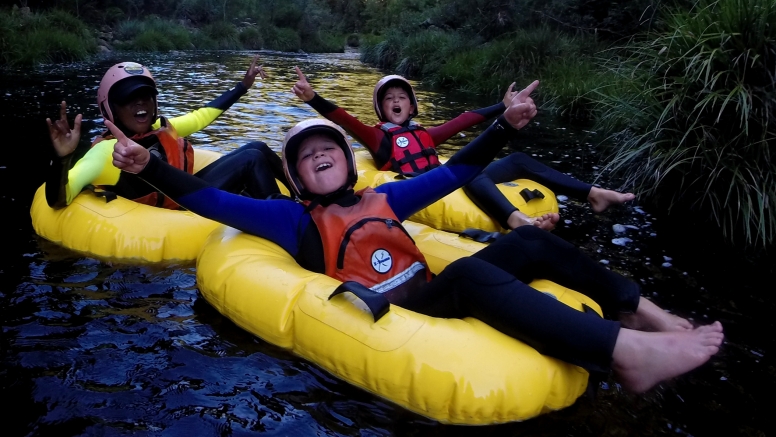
396	110
141	115
323	166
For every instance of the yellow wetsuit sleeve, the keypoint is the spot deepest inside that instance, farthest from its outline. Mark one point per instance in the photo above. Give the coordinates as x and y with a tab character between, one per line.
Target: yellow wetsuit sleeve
194	121
96	168
197	120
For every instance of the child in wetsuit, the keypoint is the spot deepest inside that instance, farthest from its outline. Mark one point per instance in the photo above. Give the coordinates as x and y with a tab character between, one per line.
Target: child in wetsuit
127	97
395	105
332	230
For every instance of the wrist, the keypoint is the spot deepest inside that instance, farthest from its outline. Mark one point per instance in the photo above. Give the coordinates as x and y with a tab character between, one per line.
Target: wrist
502	124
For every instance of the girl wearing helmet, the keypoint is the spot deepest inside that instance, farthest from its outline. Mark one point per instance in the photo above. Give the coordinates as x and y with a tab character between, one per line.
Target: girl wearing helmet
329	227
398	143
127	98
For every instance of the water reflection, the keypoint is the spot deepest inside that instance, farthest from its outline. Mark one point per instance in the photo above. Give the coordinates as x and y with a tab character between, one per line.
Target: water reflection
96	347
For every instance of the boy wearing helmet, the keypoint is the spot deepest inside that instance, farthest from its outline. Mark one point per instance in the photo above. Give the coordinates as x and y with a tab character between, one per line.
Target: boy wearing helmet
397	143
358	238
127	97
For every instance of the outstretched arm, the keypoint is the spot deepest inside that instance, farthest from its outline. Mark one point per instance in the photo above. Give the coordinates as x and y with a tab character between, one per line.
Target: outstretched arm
443	132
409	196
368	136
199	119
275	220
65	141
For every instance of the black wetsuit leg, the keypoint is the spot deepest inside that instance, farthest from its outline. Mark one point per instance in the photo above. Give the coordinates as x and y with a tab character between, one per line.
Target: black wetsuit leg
483	192
472	287
491	286
252	168
530	253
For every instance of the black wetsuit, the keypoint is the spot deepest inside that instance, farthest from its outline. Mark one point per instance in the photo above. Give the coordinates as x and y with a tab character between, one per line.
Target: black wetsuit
490	285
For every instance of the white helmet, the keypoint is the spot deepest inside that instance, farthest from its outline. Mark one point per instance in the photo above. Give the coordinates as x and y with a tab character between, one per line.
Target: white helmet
294	138
383	85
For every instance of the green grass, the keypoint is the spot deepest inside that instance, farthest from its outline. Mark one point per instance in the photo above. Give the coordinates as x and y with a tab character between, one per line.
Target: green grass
692	115
565	65
152	35
41	38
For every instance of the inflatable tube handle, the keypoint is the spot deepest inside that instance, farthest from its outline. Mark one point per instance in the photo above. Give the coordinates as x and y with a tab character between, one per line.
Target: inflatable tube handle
530	195
479	235
377	303
107	195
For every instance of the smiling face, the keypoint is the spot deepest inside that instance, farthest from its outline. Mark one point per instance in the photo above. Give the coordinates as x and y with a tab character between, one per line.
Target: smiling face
136	114
321	165
397	105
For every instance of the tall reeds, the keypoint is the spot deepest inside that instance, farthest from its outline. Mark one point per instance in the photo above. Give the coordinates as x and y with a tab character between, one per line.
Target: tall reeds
692	115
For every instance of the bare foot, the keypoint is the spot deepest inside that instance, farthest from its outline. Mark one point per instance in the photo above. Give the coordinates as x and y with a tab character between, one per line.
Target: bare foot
643	359
546	221
600	199
650	317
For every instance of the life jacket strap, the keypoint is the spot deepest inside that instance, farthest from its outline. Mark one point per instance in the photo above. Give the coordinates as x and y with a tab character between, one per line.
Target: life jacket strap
530	195
377	303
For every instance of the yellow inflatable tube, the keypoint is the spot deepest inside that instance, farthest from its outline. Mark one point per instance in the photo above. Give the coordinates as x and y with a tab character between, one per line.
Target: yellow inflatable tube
123	229
456	212
454	371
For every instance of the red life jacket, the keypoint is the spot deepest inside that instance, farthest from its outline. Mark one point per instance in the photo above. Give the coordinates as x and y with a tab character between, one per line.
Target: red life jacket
176	151
367	244
413	150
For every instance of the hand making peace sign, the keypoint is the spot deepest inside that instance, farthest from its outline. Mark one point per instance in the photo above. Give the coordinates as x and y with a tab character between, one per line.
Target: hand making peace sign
253	70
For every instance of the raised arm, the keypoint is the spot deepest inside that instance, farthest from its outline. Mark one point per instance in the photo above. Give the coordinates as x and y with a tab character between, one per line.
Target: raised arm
64	140
198	119
411	195
368	136
275	220
443	132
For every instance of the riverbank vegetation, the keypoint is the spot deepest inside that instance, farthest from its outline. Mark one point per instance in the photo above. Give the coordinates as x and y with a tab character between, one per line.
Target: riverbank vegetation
53	36
69	30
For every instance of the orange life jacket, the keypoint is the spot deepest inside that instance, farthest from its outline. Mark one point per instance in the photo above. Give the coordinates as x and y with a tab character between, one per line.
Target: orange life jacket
176	151
367	244
413	150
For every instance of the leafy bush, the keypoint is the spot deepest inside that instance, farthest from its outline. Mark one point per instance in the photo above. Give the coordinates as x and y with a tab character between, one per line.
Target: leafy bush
693	115
48	37
323	43
153	34
250	37
281	38
224	34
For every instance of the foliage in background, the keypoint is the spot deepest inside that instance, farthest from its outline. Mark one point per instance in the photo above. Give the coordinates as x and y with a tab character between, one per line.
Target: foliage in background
55	36
693	115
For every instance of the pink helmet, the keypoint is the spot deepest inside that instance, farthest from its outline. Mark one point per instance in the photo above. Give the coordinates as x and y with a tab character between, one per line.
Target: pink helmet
294	138
387	82
119	82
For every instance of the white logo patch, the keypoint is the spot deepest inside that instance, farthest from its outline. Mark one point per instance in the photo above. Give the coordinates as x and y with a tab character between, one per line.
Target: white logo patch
381	261
402	142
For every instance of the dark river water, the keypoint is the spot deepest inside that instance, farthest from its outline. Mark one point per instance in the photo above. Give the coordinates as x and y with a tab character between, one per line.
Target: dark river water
95	347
